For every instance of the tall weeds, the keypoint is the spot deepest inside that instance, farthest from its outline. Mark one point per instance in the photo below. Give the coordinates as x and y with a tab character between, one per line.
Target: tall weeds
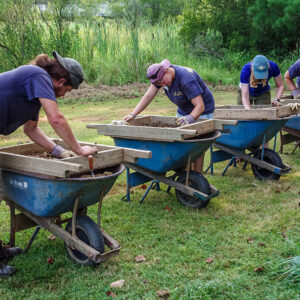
118	51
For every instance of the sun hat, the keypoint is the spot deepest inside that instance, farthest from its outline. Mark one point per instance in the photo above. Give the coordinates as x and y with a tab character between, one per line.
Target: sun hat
156	72
73	67
260	67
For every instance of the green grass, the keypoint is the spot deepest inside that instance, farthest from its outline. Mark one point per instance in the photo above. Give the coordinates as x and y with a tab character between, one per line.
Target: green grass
251	224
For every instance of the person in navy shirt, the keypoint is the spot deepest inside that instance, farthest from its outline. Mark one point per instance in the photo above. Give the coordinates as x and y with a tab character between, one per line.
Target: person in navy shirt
185	88
254	88
23	91
292	73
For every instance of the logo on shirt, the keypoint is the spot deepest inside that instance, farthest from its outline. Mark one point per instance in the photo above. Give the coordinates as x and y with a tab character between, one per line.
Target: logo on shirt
189	69
177	93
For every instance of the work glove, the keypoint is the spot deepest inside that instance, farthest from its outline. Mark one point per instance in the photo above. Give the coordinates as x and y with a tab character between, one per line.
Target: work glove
294	106
188	119
276	102
296	94
60	152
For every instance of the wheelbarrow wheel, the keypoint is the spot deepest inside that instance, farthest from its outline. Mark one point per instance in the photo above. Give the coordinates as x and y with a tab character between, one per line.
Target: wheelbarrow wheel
270	157
196	181
88	232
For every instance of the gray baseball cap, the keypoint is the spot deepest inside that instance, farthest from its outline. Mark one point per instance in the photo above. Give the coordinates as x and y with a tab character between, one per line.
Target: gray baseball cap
73	67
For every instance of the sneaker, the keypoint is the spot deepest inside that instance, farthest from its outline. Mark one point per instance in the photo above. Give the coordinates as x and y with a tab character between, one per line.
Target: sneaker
6	270
9	252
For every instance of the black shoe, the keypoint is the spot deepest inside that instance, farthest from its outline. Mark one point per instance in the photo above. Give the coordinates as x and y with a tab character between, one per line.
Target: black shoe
9	252
6	270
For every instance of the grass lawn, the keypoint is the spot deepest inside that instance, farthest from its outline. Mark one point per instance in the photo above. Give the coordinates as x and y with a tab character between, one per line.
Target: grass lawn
245	232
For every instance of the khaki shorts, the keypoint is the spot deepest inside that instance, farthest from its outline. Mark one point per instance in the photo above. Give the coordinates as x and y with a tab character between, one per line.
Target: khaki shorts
264	99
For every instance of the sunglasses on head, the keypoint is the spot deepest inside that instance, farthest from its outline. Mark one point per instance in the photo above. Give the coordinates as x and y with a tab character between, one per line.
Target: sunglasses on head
154	76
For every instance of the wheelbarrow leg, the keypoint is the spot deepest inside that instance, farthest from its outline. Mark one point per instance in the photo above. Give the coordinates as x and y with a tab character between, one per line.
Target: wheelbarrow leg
127	196
232	161
211	165
263	147
275	141
12	238
245	165
37	230
153	183
99	209
74	216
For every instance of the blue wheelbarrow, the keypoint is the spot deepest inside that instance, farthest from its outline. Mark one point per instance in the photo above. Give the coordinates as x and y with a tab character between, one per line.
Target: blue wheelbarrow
172	150
250	135
42	199
52	187
192	188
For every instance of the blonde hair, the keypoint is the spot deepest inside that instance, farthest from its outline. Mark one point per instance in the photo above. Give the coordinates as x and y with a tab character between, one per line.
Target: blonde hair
253	80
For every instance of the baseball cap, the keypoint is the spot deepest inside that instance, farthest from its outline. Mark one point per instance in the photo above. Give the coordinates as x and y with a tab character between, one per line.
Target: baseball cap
156	72
260	67
73	67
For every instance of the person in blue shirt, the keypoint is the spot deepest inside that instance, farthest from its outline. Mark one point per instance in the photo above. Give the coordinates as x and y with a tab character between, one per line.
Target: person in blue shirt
254	88
23	91
185	88
292	73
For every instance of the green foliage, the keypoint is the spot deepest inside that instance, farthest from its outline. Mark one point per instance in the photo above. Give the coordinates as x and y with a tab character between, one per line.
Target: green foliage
152	10
266	26
276	26
209	44
20	35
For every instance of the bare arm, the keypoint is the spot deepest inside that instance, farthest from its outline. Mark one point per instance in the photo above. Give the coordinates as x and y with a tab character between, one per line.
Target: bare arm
199	107
245	96
279	85
36	134
62	128
144	102
289	81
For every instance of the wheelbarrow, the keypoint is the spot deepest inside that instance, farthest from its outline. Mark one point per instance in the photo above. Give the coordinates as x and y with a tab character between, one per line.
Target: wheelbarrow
250	135
291	127
171	151
42	199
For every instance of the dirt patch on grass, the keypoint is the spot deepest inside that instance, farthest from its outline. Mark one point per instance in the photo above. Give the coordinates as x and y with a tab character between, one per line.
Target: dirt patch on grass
128	91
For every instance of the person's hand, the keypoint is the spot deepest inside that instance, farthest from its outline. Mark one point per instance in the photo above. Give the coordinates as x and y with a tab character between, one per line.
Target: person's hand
129	117
276	102
296	94
294	106
87	150
188	119
60	152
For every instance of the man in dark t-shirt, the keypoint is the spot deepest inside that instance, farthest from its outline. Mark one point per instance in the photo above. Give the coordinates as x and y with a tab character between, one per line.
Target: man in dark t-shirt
23	91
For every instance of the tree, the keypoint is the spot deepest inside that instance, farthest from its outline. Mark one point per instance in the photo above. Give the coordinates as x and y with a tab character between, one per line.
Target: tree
275	25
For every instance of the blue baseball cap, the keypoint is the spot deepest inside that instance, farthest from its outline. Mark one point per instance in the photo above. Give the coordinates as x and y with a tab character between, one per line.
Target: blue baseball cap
260	67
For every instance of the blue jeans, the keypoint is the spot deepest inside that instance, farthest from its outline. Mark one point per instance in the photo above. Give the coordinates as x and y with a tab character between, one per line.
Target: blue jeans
206	116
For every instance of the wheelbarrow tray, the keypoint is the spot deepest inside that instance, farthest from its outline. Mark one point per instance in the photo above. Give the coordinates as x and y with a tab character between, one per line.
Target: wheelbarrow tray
250	133
167	156
257	112
293	123
158	128
46	196
29	157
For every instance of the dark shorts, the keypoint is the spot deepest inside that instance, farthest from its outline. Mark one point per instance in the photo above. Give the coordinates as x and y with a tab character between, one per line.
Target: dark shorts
264	99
